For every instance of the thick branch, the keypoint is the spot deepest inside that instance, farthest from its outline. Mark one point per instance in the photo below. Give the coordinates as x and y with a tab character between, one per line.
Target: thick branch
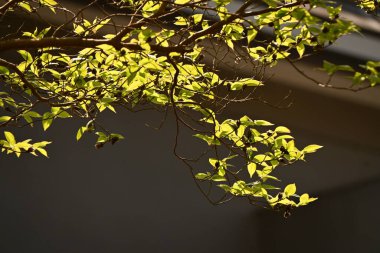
77	42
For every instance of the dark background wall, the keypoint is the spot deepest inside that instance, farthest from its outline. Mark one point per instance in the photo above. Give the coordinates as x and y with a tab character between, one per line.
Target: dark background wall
137	197
131	197
346	220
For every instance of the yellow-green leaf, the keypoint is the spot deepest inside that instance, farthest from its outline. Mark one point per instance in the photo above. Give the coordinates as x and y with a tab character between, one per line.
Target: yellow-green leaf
47	119
311	148
182	1
5	118
282	129
290	189
251	35
80	132
251	169
10	138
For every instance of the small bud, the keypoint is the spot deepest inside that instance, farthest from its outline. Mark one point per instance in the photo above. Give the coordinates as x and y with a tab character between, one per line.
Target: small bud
99	145
287	214
114	140
284	150
30	150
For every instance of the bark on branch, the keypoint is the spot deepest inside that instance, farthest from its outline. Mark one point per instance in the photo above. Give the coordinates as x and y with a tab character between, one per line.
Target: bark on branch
76	42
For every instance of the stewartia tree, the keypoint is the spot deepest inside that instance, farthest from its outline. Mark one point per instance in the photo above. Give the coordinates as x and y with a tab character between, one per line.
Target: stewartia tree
166	54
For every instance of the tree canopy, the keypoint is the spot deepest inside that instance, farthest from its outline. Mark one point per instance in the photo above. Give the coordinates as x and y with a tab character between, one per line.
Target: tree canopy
87	58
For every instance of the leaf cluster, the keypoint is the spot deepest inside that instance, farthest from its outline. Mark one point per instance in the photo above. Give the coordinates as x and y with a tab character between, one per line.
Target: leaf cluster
167	56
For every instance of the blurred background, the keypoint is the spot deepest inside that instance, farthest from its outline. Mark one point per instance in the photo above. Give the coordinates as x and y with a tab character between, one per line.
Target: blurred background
136	196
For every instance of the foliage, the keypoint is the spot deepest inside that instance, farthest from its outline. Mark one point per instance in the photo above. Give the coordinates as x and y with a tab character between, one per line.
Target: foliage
137	54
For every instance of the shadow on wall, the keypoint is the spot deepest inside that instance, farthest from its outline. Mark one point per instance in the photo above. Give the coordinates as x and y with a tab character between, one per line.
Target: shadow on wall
343	221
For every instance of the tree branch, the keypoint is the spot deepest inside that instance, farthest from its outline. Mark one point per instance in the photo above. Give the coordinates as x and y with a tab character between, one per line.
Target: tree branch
8	5
23	79
77	42
216	27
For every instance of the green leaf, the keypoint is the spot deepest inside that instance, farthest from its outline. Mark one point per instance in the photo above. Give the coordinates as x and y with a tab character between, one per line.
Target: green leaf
4	70
251	35
27	56
48	2
78	29
47	120
182	1
329	67
262	158
42	151
102	137
41	144
218	178
262	123
26	6
80	132
203	176
197	18
225	187
290	189
282	129
5	118
345	68
210	140
10	138
300	49
305	199
251	169
311	148
115	138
